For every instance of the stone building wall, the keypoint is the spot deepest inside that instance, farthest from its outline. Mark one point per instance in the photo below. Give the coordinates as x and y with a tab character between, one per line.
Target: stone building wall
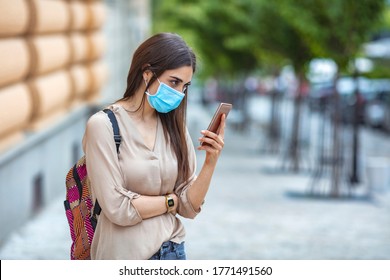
60	61
51	60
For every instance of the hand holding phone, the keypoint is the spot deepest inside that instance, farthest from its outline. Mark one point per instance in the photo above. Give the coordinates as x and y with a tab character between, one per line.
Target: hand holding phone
223	108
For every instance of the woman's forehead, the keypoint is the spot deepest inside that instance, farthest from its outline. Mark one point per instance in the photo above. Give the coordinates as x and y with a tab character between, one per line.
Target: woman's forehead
184	73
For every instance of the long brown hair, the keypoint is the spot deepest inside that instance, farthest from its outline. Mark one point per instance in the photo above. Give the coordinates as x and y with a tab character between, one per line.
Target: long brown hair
161	52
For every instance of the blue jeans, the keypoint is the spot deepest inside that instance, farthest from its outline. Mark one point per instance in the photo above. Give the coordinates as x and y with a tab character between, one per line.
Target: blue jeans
170	251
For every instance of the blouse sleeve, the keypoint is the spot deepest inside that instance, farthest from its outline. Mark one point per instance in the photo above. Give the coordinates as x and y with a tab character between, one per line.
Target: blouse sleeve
185	208
105	174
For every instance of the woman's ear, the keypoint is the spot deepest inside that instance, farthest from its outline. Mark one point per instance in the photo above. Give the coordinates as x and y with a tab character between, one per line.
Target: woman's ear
147	75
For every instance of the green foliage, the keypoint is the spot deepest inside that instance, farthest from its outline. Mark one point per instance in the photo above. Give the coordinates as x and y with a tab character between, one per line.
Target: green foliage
239	36
384	23
333	28
279	42
214	29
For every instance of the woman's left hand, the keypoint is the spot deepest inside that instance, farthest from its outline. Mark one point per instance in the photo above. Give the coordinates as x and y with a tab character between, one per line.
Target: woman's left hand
213	143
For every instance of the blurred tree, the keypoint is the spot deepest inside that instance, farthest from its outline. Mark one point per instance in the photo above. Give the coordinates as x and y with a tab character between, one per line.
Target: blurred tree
278	40
234	38
216	30
336	29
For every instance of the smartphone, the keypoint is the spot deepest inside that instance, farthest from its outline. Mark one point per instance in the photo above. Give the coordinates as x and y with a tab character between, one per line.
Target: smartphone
223	108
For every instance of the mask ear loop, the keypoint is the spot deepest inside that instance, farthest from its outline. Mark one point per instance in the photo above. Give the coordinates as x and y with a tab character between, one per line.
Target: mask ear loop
148	83
156	77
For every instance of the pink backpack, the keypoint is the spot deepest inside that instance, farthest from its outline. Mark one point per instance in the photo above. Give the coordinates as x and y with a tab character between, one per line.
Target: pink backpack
81	213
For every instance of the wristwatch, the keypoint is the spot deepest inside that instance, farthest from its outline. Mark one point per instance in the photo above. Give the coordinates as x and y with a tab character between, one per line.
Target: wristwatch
169	202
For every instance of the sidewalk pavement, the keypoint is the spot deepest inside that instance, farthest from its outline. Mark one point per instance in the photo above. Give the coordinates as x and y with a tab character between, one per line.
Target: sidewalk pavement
253	211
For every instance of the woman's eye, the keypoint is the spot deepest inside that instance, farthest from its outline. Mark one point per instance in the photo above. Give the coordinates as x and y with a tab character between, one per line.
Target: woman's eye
175	82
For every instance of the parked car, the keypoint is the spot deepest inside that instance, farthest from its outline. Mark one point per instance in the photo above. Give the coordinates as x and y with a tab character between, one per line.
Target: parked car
377	111
322	93
346	87
319	94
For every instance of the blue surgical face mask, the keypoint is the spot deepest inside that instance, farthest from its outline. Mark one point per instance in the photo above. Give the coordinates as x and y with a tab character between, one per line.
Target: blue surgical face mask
165	99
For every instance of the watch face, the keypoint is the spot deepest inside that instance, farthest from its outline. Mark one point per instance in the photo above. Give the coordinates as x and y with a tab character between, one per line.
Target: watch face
171	202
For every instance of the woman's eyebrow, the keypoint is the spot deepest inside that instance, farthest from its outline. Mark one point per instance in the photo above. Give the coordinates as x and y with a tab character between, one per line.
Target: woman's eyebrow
180	80
174	77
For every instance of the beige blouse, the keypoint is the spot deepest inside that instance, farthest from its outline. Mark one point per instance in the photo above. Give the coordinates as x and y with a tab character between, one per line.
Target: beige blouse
117	180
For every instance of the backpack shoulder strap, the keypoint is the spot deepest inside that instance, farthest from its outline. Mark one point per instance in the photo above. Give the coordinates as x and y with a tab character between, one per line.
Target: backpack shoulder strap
118	139
115	127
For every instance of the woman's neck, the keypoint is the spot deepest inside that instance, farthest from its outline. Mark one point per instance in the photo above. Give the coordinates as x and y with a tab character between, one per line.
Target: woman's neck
138	107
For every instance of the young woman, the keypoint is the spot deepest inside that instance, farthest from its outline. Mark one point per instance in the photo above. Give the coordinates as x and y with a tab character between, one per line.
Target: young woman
152	180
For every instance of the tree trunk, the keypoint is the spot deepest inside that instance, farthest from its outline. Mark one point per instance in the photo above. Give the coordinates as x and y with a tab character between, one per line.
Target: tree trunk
274	127
354	177
336	155
295	137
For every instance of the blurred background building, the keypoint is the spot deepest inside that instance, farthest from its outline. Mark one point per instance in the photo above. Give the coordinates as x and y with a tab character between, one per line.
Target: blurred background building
57	68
